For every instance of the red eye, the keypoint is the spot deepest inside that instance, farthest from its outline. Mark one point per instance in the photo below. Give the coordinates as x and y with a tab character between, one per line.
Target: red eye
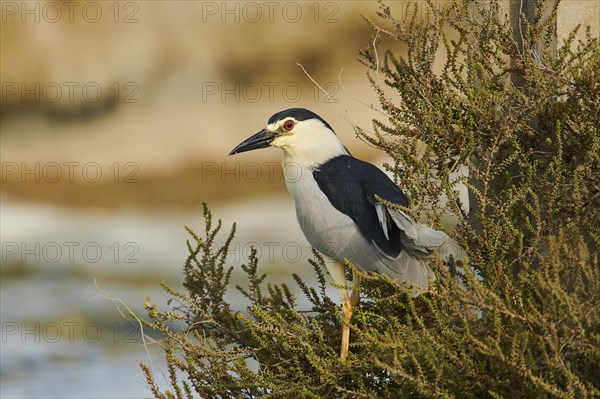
288	125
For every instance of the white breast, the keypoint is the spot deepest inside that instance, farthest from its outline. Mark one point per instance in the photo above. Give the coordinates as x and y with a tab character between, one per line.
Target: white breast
325	228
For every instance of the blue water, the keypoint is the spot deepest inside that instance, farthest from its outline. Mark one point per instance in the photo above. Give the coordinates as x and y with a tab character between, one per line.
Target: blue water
61	338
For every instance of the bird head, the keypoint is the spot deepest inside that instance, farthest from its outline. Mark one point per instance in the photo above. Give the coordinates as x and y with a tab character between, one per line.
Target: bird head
304	137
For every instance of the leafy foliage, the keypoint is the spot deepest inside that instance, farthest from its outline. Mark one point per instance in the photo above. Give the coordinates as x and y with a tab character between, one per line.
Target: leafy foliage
522	116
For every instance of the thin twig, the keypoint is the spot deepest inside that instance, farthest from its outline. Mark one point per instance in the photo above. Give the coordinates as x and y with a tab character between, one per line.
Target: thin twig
118	302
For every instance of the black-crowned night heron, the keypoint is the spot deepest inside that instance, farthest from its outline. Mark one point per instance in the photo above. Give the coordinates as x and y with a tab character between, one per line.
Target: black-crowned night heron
337	206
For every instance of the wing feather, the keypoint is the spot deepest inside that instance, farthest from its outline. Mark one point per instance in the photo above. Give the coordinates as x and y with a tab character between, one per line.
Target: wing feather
351	186
382	214
417	239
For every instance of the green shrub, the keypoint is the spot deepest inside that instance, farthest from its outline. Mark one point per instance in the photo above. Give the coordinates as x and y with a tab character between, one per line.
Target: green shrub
523	117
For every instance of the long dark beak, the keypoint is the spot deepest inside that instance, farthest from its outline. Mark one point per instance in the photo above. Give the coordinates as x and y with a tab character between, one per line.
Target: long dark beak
261	139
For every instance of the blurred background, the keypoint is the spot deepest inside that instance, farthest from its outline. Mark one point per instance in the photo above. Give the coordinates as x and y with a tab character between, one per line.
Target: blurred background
116	121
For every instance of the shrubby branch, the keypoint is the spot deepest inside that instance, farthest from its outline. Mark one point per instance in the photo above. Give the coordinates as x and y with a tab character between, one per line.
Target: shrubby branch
519	111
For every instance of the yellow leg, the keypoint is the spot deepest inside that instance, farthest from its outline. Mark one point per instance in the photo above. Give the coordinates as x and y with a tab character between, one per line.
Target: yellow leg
347	311
336	270
347	304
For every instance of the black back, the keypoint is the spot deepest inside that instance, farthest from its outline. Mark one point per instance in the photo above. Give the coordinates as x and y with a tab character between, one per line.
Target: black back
351	185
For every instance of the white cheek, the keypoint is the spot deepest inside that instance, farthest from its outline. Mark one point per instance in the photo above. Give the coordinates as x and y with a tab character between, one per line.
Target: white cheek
282	141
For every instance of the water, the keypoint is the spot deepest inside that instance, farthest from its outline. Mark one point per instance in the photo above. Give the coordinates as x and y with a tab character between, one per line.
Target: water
61	338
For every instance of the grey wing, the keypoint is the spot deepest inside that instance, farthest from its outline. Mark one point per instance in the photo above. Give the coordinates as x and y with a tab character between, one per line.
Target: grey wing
418	242
399	245
417	239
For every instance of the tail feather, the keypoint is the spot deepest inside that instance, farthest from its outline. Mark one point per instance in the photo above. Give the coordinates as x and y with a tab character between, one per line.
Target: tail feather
418	243
417	239
414	272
